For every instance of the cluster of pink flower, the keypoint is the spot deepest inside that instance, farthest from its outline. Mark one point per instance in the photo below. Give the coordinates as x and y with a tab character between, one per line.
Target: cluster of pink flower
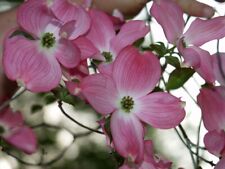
211	98
59	38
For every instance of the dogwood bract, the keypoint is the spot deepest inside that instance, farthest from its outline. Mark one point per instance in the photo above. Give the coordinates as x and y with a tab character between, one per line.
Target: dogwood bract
125	94
199	32
36	63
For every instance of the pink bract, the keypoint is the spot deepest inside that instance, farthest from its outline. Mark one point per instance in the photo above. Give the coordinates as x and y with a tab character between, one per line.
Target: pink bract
125	95
66	11
150	161
16	133
108	44
199	32
35	63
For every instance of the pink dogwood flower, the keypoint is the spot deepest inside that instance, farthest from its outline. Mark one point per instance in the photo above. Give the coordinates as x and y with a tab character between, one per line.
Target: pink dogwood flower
14	132
211	102
105	43
188	43
125	96
36	63
151	161
76	19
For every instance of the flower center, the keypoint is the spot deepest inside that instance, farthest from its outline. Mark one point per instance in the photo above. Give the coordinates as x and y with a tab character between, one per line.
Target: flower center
108	56
48	40
127	103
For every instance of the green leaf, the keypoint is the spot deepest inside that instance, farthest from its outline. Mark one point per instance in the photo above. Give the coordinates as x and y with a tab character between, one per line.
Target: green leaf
65	96
178	77
174	61
49	98
159	48
36	107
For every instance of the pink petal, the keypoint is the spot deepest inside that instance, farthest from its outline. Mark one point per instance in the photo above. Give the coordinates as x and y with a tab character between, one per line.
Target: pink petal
201	61
24	139
136	74
170	16
87	48
215	142
101	93
67	11
220	164
106	68
10	118
73	88
202	31
128	135
129	33
67	53
101	31
211	102
33	16
22	61
161	110
216	67
191	57
124	167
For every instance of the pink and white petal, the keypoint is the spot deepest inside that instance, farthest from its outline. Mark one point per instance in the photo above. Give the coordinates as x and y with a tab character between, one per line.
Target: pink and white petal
67	53
191	57
101	93
133	79
219	67
106	68
101	31
205	66
170	16
87	48
33	16
129	33
202	31
22	61
220	164
24	139
128	136
124	167
160	110
215	142
67	11
73	88
212	105
10	118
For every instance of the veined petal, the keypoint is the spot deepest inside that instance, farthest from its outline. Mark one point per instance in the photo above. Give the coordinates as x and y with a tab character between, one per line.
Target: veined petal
202	31
161	110
204	67
67	53
128	136
219	67
67	11
87	48
220	164
101	31
33	16
215	142
101	93
136	74
24	139
211	102
22	61
170	16
129	33
10	118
